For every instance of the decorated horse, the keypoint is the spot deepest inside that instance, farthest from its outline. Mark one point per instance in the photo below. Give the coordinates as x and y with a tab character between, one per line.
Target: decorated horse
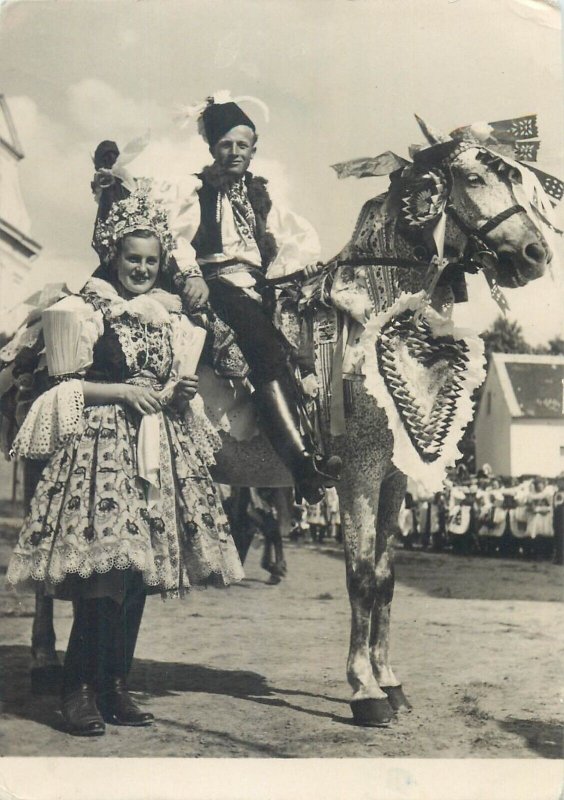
396	375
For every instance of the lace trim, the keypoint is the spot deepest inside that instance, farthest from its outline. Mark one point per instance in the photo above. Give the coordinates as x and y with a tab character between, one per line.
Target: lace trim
52	420
55	566
152	307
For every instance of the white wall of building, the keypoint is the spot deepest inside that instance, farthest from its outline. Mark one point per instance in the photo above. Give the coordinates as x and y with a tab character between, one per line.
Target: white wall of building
14	269
537	447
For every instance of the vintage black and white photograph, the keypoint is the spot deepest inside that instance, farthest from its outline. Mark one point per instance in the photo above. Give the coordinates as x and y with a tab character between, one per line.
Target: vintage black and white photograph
282	393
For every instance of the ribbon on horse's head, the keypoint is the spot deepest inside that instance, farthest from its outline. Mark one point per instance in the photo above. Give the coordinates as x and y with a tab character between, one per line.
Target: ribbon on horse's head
494	140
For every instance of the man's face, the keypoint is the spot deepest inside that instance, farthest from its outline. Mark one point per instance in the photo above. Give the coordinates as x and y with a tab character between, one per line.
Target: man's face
234	151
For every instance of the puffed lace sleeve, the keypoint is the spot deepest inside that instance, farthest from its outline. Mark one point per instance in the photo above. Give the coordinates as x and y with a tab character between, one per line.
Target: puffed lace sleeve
183	208
70	328
298	243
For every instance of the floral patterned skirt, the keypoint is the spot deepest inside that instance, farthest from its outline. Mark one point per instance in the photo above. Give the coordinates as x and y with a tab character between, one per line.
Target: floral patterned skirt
89	515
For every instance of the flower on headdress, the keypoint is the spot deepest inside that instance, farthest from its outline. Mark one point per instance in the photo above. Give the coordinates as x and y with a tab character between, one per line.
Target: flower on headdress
139	211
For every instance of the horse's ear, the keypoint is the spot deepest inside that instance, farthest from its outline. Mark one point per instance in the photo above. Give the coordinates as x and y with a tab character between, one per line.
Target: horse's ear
423	196
432	135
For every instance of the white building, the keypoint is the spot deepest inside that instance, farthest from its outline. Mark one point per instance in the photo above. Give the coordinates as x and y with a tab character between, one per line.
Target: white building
17	248
520	422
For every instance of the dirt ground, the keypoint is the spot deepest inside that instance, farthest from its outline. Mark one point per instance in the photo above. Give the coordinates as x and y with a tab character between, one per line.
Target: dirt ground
259	670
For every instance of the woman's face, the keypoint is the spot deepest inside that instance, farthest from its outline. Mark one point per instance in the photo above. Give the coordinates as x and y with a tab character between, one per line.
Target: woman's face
137	263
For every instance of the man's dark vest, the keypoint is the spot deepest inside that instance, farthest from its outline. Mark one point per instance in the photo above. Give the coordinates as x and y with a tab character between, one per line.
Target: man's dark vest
208	236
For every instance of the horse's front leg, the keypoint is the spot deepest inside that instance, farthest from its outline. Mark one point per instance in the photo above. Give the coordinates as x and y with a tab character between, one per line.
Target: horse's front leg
358	494
392	492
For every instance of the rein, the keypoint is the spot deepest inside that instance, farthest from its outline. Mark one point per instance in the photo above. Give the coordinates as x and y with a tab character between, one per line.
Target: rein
372	261
477	245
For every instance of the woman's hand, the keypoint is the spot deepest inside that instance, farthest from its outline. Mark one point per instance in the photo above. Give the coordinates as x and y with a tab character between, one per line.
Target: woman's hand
184	391
142	399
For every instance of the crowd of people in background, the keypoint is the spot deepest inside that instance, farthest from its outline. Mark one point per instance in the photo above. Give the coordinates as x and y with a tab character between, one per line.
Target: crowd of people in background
481	514
486	514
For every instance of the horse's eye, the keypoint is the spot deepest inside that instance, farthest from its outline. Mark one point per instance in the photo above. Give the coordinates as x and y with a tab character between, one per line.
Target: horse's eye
514	175
473	179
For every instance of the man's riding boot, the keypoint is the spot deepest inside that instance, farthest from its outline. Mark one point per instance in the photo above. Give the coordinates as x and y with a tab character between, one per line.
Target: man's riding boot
312	473
79	709
116	703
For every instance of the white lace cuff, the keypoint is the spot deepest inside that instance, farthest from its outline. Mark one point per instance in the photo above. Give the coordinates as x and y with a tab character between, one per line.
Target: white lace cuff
52	420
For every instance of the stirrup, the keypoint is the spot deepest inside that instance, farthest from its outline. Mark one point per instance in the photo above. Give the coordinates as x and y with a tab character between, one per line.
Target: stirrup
315	480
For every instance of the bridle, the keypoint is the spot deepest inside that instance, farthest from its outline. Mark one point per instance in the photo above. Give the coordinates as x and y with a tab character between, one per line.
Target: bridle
478	241
479	253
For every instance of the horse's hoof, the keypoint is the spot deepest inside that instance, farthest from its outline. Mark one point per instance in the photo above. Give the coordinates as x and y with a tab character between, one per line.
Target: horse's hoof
372	712
273	580
396	698
47	679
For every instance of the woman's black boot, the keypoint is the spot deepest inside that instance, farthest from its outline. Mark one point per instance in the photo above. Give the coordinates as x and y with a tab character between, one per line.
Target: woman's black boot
78	706
119	707
116	704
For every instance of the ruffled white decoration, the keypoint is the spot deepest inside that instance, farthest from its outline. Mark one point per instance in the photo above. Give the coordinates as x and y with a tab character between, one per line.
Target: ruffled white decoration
71	328
52	420
405	456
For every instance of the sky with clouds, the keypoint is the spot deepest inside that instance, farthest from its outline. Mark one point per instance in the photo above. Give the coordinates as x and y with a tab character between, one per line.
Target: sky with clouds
342	79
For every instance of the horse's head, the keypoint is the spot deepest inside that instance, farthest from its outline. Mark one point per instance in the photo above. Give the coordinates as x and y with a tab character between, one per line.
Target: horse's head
485	219
483	199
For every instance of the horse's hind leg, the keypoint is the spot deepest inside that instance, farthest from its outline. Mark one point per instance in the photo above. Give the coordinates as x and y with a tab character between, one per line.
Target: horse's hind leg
275	524
242	529
391	496
282	502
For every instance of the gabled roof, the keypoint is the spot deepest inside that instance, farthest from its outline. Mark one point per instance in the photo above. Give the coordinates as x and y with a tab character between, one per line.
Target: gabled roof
8	133
533	386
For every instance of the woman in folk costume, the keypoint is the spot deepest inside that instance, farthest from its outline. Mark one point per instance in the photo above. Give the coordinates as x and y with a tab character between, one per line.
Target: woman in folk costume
230	236
125	505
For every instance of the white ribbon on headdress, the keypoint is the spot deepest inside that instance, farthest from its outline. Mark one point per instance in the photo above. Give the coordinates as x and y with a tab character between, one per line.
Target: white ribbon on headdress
128	154
183	115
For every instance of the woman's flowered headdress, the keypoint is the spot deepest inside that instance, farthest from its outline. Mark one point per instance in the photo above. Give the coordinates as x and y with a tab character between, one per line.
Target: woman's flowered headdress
140	211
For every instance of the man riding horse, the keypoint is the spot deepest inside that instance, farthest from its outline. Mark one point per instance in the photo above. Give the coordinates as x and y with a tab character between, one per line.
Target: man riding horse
228	234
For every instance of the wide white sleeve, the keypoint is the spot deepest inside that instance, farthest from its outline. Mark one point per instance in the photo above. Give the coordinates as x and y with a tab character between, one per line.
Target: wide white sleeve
298	243
71	328
183	208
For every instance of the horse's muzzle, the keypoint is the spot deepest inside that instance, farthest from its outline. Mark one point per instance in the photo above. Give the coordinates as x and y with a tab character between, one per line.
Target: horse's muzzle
518	267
